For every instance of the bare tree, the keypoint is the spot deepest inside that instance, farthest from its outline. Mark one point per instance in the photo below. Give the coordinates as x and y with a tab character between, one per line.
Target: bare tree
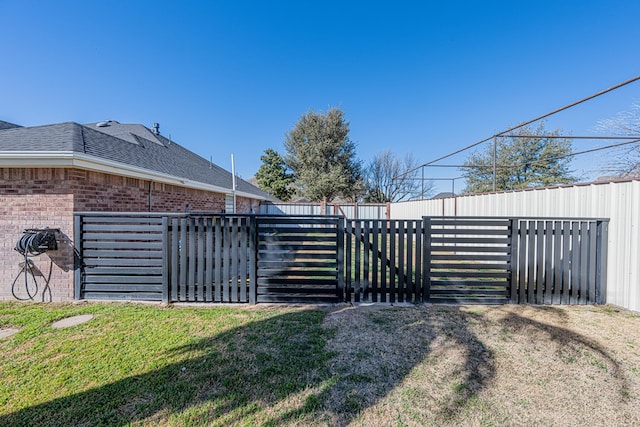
387	181
625	161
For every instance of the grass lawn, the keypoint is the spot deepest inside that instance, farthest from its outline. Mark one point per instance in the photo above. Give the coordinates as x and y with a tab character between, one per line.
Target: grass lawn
369	366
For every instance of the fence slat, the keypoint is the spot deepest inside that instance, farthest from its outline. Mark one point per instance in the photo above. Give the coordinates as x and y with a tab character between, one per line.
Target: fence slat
366	236
374	260
226	259
592	262
539	262
392	260
208	261
200	259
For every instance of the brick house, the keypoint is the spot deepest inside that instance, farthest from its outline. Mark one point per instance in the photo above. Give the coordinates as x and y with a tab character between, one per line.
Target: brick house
49	172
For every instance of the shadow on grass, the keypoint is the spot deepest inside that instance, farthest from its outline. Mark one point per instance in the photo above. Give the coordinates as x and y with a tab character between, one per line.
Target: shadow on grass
310	367
273	371
570	344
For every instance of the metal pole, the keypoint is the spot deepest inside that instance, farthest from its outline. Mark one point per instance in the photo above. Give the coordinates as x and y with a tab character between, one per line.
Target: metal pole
422	184
233	182
495	152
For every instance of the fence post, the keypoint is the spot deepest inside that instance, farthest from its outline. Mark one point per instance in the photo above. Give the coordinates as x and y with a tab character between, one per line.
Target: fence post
77	256
340	259
165	260
601	262
253	258
513	261
425	286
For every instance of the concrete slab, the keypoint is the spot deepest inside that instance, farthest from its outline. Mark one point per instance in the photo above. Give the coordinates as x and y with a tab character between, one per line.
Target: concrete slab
72	321
6	333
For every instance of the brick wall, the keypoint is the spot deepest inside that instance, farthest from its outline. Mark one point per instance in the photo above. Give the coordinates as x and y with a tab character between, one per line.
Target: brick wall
47	197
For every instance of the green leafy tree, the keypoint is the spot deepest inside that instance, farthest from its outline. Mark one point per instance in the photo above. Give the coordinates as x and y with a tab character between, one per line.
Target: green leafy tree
522	161
323	158
273	176
387	181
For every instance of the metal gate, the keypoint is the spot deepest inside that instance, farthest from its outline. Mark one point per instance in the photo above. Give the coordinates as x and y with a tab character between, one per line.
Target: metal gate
300	259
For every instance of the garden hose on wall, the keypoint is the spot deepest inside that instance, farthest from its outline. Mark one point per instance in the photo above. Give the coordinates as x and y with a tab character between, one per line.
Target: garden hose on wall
33	243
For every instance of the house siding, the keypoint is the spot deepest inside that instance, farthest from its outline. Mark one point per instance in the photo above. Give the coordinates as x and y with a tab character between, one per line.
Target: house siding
48	197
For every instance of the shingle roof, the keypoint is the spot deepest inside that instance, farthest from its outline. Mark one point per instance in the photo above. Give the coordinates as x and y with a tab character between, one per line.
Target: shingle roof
130	144
7	125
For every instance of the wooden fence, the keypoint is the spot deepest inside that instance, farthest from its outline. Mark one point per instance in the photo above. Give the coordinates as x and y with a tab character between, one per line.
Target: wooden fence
257	258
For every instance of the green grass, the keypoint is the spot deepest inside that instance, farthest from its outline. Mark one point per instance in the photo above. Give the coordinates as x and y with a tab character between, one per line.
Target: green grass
135	365
140	364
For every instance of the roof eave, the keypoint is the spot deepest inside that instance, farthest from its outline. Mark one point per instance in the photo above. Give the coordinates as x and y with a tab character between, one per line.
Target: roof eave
83	161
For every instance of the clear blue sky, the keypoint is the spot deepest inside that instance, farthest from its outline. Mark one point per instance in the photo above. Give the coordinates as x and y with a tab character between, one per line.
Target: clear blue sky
222	77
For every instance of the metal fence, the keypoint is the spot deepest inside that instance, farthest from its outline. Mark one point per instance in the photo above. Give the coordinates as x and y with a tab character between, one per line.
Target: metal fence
618	201
475	260
258	258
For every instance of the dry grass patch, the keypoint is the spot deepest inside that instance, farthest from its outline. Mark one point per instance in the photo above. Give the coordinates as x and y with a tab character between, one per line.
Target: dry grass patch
502	366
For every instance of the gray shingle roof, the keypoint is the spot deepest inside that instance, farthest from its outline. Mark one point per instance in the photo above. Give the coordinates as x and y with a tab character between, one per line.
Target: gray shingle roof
7	125
131	144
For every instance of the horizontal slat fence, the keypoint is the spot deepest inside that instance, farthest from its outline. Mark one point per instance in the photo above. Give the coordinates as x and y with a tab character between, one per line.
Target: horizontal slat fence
469	260
120	256
299	259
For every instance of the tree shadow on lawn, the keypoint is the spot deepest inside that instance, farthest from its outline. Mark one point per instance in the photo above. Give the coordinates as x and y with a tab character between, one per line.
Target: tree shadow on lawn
272	371
569	343
305	367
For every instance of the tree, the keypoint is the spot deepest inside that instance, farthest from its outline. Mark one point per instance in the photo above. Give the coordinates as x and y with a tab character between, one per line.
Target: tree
273	176
386	180
522	161
625	162
323	158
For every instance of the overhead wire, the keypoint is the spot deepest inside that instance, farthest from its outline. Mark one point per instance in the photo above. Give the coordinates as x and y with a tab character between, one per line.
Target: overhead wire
544	116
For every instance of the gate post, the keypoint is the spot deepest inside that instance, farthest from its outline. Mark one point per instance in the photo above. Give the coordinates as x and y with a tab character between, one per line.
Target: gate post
77	261
165	260
340	259
426	259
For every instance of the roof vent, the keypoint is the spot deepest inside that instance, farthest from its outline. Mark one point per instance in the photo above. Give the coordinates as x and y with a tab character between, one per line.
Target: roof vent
103	124
156	128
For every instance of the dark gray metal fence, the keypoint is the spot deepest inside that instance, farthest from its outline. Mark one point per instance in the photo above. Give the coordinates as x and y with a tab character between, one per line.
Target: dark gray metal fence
211	259
121	256
299	259
560	261
474	260
257	258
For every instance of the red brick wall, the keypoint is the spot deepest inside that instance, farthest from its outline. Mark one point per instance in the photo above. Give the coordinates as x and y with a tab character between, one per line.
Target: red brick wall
47	197
21	211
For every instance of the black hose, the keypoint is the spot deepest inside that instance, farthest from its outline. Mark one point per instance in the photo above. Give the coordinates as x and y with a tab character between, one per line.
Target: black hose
32	243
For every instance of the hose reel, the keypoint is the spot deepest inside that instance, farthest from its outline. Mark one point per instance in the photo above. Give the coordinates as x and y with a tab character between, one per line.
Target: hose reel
34	242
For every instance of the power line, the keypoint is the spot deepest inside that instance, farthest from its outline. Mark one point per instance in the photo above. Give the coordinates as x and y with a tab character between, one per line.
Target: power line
567	137
544	116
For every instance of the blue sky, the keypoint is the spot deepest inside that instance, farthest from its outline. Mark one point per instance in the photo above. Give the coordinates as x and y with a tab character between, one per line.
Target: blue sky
223	77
